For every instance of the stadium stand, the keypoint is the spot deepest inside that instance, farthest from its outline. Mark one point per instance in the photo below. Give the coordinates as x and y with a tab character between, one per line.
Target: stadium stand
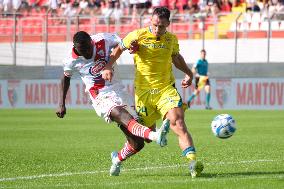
36	22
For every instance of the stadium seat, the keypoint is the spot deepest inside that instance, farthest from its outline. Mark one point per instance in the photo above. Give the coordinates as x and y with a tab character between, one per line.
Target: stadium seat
281	27
275	25
256	17
254	26
248	17
264	26
53	30
26	30
100	28
62	29
3	22
244	26
86	27
37	30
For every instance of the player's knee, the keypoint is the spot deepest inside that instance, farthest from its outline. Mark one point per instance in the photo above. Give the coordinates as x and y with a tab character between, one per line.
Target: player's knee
138	144
120	115
179	124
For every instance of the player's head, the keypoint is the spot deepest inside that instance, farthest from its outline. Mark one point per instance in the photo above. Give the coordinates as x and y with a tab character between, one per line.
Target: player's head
203	54
83	45
160	21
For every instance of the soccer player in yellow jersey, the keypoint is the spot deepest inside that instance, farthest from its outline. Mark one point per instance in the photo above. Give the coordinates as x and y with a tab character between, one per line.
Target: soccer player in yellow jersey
155	49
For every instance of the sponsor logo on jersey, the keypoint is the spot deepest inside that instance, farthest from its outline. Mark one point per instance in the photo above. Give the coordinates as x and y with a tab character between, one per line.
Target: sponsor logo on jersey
99	65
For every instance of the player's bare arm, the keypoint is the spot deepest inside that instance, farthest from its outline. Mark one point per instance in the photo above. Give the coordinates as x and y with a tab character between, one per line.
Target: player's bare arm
180	64
117	51
65	83
107	72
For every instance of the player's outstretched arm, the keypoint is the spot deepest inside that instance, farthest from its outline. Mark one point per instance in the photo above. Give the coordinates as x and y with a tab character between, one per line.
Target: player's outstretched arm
180	64
107	72
64	86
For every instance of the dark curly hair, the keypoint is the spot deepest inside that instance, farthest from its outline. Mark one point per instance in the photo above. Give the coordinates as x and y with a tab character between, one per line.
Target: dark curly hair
81	37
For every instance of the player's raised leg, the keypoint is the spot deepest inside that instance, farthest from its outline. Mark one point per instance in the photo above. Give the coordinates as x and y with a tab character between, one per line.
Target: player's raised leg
123	117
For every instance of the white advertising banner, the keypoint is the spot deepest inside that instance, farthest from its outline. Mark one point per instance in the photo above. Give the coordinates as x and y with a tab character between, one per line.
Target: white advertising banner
245	93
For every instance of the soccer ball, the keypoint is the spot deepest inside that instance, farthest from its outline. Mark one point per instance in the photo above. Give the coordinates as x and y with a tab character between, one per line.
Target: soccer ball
223	126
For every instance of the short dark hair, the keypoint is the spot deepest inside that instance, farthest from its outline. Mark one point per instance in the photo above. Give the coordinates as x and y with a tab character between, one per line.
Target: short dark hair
203	50
81	37
162	12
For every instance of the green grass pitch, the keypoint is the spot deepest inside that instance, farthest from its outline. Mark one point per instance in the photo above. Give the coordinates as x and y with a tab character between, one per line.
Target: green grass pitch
39	150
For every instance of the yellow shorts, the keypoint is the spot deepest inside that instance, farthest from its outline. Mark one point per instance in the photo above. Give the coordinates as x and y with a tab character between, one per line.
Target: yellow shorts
201	81
153	104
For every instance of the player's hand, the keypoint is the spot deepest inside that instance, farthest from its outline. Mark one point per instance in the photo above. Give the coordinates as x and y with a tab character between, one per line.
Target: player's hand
134	47
186	82
61	111
107	73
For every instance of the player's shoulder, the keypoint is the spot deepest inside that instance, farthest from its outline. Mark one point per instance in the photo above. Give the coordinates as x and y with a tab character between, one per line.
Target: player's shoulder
98	37
171	35
141	31
108	38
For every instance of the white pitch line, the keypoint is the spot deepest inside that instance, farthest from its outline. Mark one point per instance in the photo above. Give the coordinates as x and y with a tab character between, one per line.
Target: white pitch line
114	183
127	170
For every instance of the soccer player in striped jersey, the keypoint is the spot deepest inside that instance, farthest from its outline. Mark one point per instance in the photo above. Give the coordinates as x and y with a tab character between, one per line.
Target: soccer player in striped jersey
89	56
155	49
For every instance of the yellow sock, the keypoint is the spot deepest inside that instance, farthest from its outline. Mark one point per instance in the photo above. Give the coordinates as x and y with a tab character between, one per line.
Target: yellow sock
191	156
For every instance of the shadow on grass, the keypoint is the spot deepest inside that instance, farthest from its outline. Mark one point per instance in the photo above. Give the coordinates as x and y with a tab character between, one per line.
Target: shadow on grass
212	175
239	174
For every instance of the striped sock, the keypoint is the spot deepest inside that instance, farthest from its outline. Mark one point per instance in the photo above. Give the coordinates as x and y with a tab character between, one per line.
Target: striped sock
126	152
189	153
138	130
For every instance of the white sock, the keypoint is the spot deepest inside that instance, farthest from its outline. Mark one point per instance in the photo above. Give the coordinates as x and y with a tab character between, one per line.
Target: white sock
117	160
153	135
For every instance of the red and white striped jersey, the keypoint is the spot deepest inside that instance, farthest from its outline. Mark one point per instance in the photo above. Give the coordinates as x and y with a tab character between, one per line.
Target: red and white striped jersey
90	69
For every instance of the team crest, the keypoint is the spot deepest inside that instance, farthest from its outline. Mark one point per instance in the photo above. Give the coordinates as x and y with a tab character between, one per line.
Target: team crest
101	52
223	91
12	91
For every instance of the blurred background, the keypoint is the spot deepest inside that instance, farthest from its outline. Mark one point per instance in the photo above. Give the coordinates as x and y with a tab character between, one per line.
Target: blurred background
244	40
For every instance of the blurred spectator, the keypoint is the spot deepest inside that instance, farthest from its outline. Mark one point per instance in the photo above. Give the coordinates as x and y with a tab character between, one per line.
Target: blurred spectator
190	7
251	5
68	10
11	5
213	7
53	6
272	7
94	7
226	6
202	5
124	5
83	7
156	3
113	4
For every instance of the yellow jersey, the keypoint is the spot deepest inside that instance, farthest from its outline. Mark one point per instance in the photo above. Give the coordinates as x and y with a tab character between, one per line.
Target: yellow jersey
153	60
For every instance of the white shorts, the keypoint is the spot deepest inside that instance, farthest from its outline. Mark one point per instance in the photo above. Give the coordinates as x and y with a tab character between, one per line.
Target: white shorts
109	99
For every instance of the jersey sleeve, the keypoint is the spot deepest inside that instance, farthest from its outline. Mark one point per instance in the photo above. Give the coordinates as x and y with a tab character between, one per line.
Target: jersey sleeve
195	65
175	45
67	67
125	44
